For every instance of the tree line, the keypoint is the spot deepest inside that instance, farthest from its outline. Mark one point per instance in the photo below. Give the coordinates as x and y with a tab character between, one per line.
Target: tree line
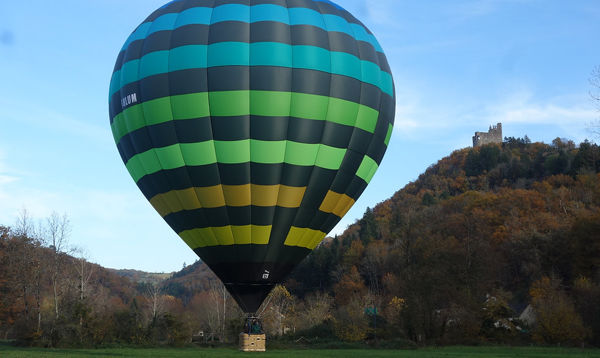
495	244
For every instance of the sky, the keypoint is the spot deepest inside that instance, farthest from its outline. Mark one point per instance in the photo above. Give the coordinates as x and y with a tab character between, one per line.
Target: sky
459	66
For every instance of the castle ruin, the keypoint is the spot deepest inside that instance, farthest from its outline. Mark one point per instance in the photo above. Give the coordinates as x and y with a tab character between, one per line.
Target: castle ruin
494	135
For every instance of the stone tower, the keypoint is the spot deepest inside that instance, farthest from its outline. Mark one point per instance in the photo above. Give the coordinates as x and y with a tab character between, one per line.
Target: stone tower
494	135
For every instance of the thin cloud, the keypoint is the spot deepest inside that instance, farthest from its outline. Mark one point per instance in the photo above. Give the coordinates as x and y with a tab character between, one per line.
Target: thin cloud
477	8
522	109
382	12
54	121
6	176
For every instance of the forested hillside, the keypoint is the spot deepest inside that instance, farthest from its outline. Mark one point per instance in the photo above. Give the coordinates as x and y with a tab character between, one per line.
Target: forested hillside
454	257
457	254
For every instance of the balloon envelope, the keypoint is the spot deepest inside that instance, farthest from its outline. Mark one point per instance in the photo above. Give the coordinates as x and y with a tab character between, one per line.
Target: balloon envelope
252	127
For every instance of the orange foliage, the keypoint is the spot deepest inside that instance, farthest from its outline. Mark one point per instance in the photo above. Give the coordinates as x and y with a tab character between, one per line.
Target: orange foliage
350	285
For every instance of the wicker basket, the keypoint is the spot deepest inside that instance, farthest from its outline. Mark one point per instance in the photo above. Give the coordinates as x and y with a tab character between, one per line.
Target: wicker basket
252	342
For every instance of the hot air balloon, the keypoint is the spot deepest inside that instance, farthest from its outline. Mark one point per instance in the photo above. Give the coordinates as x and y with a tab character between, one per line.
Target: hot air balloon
252	127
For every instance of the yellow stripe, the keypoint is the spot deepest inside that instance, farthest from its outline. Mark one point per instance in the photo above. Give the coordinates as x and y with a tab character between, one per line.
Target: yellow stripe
226	235
231	195
337	204
290	196
236	195
304	237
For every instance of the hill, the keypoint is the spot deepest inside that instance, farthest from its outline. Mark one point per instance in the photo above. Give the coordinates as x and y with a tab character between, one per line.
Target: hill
512	224
142	276
453	257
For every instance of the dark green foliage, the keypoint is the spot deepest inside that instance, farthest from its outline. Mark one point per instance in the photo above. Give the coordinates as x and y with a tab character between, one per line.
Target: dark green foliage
368	227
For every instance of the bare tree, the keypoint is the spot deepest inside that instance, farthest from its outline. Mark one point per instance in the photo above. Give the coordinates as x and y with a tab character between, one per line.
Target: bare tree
317	309
28	262
278	307
58	228
85	270
156	302
218	294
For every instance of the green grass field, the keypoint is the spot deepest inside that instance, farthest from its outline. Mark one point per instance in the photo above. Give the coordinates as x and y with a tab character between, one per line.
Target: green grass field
469	352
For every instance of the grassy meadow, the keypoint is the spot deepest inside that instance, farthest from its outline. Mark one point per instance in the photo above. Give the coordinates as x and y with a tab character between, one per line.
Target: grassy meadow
7	351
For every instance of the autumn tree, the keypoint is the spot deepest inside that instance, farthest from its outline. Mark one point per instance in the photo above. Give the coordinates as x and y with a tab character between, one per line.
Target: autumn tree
586	295
350	286
557	320
26	261
393	313
316	310
278	309
155	301
57	231
350	322
6	291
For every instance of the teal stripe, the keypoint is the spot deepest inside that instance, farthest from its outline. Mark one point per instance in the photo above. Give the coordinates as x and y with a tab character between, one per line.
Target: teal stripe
253	54
237	152
195	15
228	54
263	12
230	12
185	57
268	12
152	64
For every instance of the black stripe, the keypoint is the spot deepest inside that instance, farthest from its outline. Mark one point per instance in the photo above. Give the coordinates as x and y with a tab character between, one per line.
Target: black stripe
227	174
119	62
233	174
215	255
242	267
383	63
178	6
249	297
342	181
350	164
319	184
262	78
324	8
377	150
195	130
235	31
387	111
248	215
165	134
133	51
282	221
264	31
221	216
356	187
360	140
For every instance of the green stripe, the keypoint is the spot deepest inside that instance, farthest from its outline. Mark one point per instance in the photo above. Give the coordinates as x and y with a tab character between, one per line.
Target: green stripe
235	152
389	134
232	152
267	152
367	169
242	103
301	153
330	157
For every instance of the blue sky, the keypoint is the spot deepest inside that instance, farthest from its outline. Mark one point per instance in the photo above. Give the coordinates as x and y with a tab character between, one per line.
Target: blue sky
459	66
